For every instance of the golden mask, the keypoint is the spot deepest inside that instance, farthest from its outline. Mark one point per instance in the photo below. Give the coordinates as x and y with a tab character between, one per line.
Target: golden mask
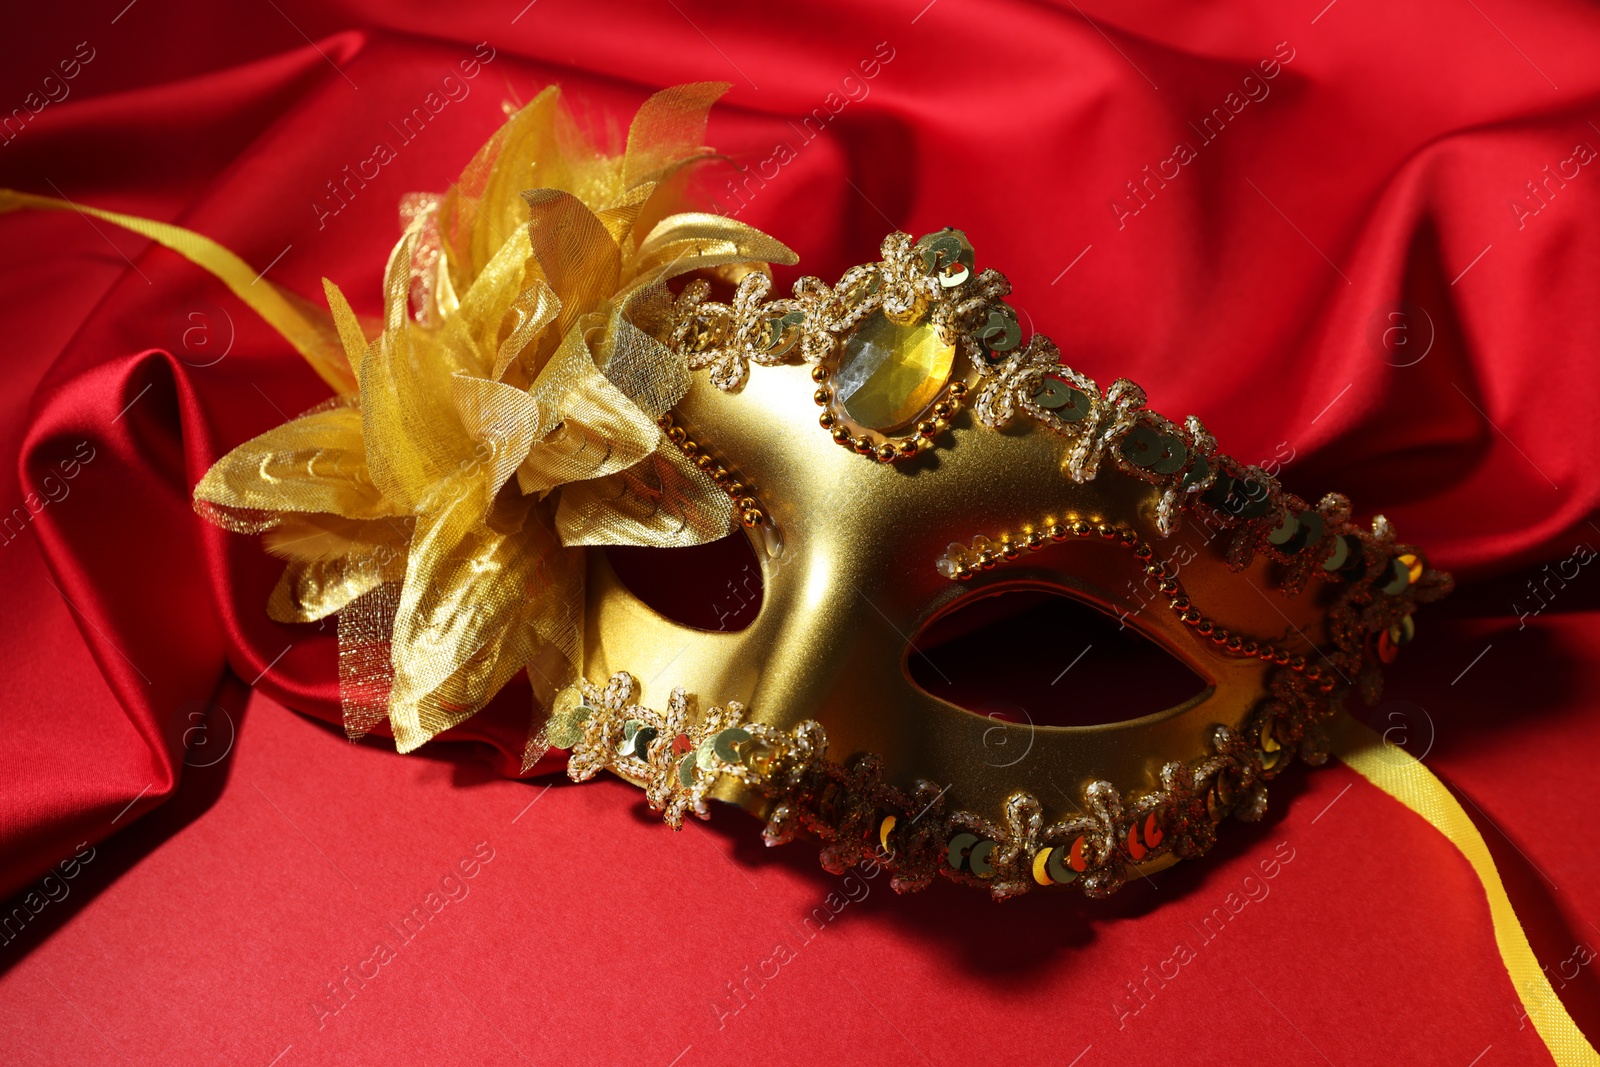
901	452
552	373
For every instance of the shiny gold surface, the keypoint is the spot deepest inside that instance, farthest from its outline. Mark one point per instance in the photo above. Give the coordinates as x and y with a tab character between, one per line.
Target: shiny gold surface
855	581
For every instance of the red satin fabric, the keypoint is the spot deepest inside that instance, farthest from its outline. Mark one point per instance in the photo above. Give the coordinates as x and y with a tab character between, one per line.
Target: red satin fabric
1382	169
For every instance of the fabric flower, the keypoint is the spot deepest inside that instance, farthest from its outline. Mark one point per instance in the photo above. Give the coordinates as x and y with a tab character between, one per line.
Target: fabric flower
502	416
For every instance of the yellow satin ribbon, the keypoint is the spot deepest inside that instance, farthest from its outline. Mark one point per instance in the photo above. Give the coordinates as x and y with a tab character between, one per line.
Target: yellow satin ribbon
302	325
1403	777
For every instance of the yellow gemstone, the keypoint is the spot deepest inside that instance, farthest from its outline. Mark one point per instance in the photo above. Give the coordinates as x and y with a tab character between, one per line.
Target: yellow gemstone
889	374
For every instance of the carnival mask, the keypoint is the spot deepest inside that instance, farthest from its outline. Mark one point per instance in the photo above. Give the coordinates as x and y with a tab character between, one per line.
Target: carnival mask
570	366
901	451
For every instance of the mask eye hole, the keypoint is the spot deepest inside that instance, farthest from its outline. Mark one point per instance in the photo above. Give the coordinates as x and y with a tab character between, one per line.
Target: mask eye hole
1034	655
714	587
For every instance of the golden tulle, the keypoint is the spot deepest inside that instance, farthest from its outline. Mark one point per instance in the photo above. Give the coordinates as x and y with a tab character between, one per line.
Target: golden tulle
503	418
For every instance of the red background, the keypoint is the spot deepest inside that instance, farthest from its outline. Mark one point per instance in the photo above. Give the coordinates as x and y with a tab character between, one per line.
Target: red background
1383	164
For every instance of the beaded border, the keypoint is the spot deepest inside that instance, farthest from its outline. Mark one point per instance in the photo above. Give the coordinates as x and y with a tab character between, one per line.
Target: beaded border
728	481
857	816
962	562
932	277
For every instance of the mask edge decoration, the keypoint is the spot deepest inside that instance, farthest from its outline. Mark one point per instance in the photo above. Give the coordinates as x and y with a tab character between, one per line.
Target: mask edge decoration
846	804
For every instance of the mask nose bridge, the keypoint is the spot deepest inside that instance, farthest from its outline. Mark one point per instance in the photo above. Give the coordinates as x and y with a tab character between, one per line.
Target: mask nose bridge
821	626
815	608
